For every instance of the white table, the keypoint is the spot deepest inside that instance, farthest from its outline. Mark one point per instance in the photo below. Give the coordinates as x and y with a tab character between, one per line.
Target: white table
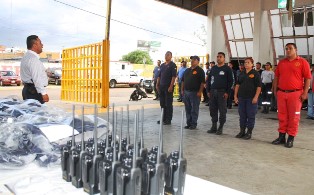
34	180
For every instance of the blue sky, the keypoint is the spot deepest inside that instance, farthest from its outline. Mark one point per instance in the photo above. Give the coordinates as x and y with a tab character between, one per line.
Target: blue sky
60	26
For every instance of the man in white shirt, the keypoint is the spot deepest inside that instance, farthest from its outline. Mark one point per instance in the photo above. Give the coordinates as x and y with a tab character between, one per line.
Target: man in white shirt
33	72
267	80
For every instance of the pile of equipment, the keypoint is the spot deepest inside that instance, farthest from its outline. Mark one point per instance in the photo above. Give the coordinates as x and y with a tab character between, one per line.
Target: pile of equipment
115	166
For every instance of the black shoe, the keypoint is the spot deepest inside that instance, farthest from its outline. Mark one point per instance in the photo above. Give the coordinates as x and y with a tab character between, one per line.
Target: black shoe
248	135
192	127
167	123
213	129
242	133
289	143
203	101
207	104
179	100
187	127
220	129
280	140
229	107
273	109
155	98
309	117
158	122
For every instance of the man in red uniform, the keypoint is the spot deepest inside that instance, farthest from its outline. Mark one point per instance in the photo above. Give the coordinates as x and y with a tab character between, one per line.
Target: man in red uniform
291	84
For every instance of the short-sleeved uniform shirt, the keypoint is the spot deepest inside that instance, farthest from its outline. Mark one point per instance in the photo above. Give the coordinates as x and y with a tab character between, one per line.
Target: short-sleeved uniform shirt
181	72
248	83
156	72
193	78
167	71
291	74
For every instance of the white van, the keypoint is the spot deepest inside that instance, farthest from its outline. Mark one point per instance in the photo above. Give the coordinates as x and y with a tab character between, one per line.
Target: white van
122	73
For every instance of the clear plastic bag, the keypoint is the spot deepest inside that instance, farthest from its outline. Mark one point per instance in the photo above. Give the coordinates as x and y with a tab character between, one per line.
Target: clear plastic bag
22	143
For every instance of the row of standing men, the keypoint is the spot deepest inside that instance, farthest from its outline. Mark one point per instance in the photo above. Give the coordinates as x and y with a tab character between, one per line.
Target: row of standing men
290	84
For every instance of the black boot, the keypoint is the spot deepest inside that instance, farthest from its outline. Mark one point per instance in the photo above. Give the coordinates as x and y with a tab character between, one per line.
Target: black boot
289	143
220	128
280	140
213	129
242	132
266	110
248	135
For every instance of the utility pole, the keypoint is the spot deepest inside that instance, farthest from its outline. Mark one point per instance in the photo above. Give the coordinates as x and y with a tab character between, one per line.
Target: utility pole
106	60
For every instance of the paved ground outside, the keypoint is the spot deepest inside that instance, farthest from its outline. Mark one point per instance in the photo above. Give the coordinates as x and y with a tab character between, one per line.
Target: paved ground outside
253	166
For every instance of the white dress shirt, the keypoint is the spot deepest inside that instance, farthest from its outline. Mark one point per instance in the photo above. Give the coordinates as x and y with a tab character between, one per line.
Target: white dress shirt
33	71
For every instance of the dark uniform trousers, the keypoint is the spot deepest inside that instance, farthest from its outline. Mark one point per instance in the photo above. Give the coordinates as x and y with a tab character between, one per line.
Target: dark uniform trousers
217	102
247	112
155	89
266	87
29	92
192	104
166	100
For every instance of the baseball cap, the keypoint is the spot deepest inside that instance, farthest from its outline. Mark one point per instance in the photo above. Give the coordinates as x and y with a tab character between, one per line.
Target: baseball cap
195	57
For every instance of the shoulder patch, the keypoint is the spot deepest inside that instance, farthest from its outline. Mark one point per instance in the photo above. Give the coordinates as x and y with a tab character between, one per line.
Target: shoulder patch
251	76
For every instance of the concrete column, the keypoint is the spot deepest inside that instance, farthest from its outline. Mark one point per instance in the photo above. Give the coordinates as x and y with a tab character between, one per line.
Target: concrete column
215	33
262	49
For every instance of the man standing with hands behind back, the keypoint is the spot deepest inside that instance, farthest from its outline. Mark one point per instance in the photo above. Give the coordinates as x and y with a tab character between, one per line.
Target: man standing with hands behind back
165	83
192	88
33	74
155	77
291	85
219	85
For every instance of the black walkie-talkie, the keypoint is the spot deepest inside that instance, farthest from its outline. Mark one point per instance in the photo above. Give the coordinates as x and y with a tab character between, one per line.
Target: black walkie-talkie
157	179
66	153
176	172
75	158
92	162
128	175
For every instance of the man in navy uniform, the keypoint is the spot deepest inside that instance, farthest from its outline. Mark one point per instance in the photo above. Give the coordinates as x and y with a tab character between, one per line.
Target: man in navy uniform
219	85
165	85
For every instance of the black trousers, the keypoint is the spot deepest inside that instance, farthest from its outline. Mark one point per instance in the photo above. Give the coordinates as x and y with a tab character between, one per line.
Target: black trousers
205	95
218	103
166	100
29	92
155	89
266	87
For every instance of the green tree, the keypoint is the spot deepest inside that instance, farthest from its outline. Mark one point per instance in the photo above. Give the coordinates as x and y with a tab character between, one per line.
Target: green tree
138	57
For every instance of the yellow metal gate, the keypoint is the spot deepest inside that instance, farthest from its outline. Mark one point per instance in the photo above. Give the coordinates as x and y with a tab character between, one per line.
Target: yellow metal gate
83	74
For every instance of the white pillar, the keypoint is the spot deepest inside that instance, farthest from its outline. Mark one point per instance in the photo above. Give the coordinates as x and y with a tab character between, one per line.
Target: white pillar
215	33
262	48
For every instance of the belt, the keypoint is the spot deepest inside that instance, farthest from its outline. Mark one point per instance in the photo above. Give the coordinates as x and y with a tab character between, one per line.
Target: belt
28	84
220	90
289	91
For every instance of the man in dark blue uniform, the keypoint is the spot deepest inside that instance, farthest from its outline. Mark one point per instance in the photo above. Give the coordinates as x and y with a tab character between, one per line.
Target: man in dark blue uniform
192	88
155	77
165	83
219	85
